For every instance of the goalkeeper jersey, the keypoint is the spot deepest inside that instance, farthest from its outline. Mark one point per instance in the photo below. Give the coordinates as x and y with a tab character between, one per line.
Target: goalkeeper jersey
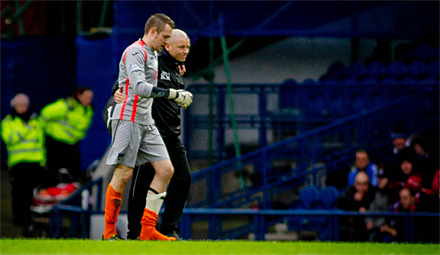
137	75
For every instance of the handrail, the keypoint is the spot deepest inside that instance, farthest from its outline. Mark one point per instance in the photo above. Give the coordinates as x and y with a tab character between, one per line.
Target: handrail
260	223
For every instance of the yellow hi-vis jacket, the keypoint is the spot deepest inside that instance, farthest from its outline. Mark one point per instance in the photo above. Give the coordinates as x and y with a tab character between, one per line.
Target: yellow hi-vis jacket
67	120
24	141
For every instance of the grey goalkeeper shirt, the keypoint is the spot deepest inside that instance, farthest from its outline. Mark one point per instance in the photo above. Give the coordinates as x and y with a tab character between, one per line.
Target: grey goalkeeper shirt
137	75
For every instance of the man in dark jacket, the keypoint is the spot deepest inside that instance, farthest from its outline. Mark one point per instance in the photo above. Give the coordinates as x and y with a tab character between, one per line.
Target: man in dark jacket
166	114
358	199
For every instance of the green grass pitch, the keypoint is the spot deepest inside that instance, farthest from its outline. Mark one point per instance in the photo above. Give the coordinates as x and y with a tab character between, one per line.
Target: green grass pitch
75	246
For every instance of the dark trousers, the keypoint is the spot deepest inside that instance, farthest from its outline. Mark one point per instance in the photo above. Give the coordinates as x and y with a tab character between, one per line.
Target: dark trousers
177	191
62	155
24	178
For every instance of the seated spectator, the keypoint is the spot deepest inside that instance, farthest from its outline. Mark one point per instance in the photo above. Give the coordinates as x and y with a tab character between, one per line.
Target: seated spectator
427	167
399	142
363	163
356	198
379	204
406	159
395	229
23	135
425	228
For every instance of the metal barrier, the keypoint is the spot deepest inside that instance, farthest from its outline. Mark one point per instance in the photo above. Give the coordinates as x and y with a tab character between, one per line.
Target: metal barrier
260	223
77	212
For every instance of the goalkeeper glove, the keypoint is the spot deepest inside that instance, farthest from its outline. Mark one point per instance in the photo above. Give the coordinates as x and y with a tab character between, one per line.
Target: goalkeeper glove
182	97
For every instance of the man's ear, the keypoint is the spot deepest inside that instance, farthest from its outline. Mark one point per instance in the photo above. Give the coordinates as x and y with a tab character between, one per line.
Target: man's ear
167	46
153	30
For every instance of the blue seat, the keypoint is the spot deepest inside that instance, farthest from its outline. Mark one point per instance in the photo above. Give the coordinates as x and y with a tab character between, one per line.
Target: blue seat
427	81
355	70
387	81
309	82
375	69
329	81
349	81
407	81
395	69
422	52
308	195
415	69
368	81
328	196
432	69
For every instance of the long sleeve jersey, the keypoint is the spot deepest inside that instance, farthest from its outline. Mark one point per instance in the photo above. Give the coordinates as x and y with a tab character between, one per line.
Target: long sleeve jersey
137	75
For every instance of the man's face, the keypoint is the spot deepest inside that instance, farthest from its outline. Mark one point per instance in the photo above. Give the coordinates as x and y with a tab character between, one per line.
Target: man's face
86	98
361	185
21	108
179	48
419	149
406	200
406	167
399	143
362	160
159	39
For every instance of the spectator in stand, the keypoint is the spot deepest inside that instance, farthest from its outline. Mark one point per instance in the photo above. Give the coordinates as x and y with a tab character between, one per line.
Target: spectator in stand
23	135
399	142
402	179
356	198
379	204
363	163
427	166
425	229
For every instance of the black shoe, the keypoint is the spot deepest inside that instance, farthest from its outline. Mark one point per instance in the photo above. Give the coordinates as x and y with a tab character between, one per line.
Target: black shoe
114	237
174	234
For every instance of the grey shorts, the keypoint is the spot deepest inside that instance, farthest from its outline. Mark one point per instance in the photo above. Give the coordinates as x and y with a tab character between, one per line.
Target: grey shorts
135	144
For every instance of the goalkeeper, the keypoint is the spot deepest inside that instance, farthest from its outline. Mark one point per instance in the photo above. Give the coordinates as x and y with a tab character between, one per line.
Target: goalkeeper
166	114
135	139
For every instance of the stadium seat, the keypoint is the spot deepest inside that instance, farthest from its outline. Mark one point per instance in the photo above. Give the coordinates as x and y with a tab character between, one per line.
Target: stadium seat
415	69
407	81
308	82
349	81
328	196
375	69
427	81
422	52
355	70
328	81
432	69
367	81
308	195
387	81
395	70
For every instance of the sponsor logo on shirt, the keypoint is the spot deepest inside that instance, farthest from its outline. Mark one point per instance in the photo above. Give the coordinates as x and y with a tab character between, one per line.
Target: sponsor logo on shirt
165	76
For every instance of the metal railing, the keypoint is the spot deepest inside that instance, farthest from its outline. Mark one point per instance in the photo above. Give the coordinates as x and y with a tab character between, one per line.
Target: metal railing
73	208
327	220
